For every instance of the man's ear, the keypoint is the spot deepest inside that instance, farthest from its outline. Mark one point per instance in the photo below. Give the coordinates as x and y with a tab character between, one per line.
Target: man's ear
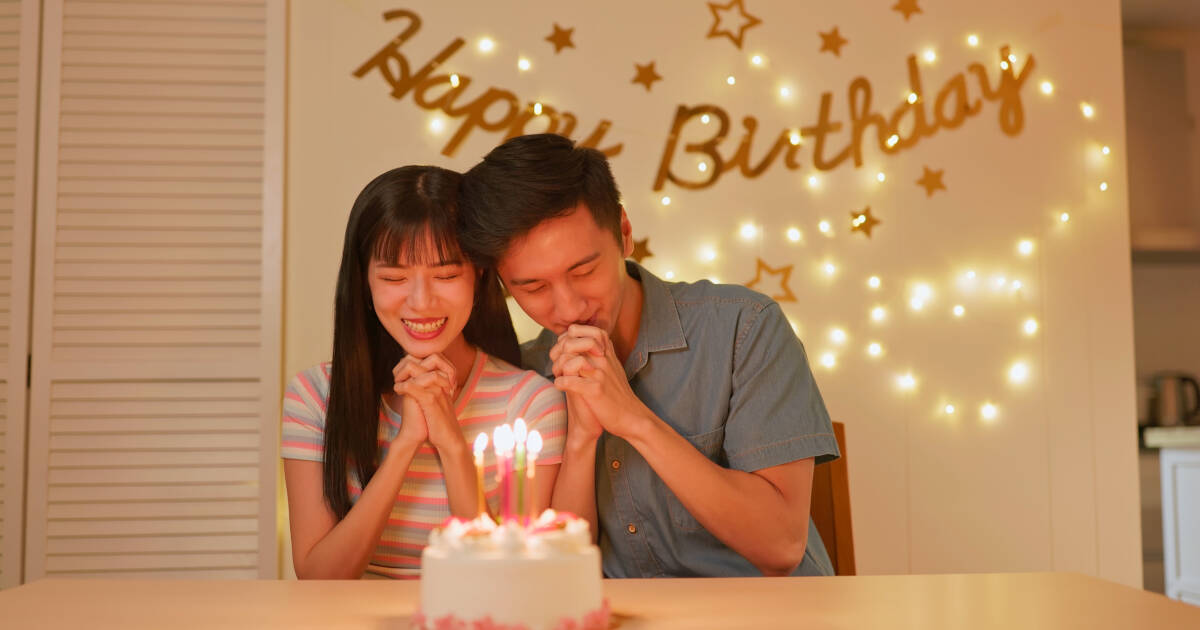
626	235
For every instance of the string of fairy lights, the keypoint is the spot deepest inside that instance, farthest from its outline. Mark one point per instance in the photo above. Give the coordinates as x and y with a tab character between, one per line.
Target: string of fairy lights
920	295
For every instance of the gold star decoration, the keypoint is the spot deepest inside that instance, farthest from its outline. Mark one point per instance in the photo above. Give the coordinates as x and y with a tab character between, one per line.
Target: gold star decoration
863	221
641	249
561	38
785	273
832	42
932	180
747	21
646	75
907	7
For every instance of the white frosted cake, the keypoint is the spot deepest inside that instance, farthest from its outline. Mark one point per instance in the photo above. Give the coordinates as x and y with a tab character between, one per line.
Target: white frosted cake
544	576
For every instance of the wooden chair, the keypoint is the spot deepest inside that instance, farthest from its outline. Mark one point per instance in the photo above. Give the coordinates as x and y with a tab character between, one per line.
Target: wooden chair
831	507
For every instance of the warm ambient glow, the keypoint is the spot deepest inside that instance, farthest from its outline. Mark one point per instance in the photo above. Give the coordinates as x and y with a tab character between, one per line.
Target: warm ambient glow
793	234
708	253
959	310
757	60
702	166
670	275
1030	326
906	382
988	411
972	40
1103	186
523	64
837	335
436	124
829	268
813	181
1064	217
825	227
1105	150
874	282
874	349
879	313
1047	88
1018	373
486	45
949	409
785	92
930	55
730	80
1087	109
749	231
1025	247
880	177
666	201
828	360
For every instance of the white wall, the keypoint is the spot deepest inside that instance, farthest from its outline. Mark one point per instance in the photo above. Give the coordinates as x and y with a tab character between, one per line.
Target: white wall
1051	483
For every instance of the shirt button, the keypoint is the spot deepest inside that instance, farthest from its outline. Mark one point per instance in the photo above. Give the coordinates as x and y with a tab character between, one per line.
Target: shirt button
632	529
616	464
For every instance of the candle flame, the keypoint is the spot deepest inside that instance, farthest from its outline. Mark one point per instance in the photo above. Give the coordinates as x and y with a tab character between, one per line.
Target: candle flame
519	431
502	438
481	442
534	444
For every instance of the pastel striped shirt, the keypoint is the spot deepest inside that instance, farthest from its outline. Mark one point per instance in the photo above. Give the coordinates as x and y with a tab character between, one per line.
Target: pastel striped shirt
495	393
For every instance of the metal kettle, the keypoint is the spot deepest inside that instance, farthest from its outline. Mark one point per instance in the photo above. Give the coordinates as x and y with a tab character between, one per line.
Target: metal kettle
1175	399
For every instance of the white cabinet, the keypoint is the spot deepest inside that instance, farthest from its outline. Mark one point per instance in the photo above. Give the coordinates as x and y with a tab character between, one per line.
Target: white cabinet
1180	466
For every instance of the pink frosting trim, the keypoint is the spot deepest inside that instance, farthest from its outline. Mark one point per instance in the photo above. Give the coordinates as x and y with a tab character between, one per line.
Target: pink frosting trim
595	620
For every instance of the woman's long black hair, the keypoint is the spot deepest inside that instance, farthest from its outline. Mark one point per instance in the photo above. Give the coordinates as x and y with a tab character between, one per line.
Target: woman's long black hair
395	215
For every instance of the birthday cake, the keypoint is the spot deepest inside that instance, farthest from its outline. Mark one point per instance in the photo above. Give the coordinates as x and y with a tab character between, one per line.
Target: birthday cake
544	575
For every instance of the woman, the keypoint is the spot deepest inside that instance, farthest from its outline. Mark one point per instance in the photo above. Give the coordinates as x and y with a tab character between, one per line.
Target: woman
377	443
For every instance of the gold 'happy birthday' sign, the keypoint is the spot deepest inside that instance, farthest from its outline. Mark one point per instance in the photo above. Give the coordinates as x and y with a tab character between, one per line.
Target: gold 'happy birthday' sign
905	127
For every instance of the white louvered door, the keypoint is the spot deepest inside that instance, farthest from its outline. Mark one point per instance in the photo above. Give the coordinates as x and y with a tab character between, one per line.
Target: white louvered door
18	123
155	375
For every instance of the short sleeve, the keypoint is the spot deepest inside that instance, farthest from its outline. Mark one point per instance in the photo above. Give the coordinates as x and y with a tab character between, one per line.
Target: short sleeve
544	408
776	413
303	431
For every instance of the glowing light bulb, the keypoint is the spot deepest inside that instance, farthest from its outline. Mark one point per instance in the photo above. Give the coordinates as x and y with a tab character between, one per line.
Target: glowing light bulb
828	359
1016	285
1087	109
785	92
970	275
912	98
756	60
486	45
1047	88
705	118
702	167
999	281
949	409
454	80
1030	326
837	335
1103	186
959	310
929	55
707	253
523	64
436	124
1105	150
670	275
829	268
972	40
922	291
813	181
916	304
880	177
793	235
874	349
1025	247
874	282
1004	65
893	140
666	201
988	411
795	138
537	109
906	381
729	80
879	313
825	227
1064	217
1012	58
1018	373
749	231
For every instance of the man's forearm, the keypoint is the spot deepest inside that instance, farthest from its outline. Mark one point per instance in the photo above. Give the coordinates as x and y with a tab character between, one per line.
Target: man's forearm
743	510
575	487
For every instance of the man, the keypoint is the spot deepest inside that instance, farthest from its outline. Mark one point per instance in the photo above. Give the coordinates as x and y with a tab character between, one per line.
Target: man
694	421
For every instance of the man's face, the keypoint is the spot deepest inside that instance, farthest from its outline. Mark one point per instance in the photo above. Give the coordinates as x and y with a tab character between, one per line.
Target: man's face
568	270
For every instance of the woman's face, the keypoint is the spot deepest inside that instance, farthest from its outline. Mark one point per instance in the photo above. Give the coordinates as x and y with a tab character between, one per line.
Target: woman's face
423	305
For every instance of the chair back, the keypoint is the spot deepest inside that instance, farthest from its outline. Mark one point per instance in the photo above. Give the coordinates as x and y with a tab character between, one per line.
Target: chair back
831	507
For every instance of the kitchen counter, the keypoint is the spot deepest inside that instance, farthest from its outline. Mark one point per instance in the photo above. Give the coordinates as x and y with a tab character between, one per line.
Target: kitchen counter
1173	437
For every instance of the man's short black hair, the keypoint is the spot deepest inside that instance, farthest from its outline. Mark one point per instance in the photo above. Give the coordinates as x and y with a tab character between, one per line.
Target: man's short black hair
527	180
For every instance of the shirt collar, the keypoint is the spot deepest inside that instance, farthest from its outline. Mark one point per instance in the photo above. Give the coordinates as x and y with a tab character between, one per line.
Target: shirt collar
659	328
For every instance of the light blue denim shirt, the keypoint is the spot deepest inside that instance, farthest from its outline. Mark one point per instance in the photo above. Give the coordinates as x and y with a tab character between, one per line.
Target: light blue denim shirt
722	366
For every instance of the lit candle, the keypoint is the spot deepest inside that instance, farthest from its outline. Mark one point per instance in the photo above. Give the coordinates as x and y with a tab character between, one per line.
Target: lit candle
519	436
533	446
502	439
481	442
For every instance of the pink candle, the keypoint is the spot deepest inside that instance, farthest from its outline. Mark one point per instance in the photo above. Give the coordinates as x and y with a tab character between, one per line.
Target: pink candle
481	441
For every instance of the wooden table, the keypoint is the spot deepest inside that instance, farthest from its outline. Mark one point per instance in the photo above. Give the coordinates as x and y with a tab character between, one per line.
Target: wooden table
1024	601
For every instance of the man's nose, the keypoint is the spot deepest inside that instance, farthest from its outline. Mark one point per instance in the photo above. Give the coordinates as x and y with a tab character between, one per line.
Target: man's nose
569	305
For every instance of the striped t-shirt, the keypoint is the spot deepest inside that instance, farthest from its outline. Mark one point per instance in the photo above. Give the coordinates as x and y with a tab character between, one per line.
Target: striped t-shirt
495	393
